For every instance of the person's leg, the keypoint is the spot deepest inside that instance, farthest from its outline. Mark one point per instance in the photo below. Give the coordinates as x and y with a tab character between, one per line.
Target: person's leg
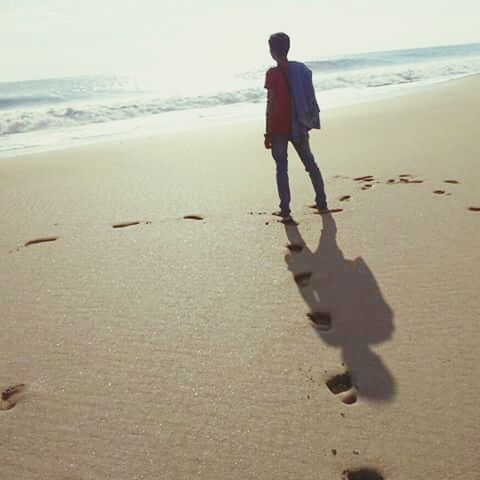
279	153
303	149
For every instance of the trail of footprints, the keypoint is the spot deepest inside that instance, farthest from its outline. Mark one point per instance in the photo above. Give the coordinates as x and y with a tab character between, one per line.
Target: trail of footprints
116	226
320	320
340	384
135	223
367	182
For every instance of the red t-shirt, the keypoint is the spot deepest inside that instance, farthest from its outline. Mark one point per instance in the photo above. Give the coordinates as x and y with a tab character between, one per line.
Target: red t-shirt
278	115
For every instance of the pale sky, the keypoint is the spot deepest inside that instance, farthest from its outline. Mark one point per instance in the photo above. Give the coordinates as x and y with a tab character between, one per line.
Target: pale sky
53	38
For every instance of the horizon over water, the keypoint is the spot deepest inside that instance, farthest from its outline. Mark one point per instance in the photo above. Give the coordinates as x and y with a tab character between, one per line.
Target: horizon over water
54	113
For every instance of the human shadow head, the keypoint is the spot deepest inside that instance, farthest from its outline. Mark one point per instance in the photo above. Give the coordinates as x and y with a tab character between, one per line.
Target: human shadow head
346	292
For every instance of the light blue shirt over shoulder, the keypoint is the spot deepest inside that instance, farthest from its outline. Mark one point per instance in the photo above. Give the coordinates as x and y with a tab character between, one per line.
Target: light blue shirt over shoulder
305	110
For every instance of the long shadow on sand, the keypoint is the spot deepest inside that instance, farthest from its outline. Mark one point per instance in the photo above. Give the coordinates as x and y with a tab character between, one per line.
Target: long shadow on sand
347	292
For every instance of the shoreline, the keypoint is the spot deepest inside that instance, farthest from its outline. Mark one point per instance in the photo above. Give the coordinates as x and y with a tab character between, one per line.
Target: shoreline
201	119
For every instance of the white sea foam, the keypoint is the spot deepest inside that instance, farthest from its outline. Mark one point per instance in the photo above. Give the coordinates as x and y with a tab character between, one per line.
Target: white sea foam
28	120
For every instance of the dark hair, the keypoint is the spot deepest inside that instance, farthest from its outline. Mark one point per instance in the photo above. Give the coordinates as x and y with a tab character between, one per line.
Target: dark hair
279	43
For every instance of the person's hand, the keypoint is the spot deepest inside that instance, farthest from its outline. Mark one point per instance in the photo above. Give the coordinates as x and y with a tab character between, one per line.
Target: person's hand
267	142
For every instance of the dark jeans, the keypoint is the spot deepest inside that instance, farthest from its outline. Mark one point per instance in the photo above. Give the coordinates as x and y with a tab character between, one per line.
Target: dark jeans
302	147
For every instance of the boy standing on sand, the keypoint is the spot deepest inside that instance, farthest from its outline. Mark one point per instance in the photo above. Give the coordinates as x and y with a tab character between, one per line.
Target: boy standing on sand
292	111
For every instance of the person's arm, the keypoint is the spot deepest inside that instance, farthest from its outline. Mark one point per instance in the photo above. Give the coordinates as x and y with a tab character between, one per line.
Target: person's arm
313	112
267	140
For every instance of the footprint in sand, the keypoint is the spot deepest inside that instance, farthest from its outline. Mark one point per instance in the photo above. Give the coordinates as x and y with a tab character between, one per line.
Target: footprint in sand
302	279
403	178
362	474
125	224
454	182
40	240
344	198
328	210
288	221
407	180
474	209
193	217
321	320
342	383
439	192
365	178
295	247
8	400
350	399
324	211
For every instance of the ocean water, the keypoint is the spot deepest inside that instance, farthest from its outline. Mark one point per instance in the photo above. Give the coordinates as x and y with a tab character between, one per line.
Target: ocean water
53	113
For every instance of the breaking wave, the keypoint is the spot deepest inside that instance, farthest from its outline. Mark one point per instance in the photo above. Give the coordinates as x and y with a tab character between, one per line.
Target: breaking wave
63	103
83	114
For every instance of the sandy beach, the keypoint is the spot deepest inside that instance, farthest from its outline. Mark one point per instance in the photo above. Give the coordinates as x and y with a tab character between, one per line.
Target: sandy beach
147	345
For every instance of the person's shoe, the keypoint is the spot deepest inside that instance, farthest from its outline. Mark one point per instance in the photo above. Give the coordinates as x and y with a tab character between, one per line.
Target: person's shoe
282	213
285	218
320	208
